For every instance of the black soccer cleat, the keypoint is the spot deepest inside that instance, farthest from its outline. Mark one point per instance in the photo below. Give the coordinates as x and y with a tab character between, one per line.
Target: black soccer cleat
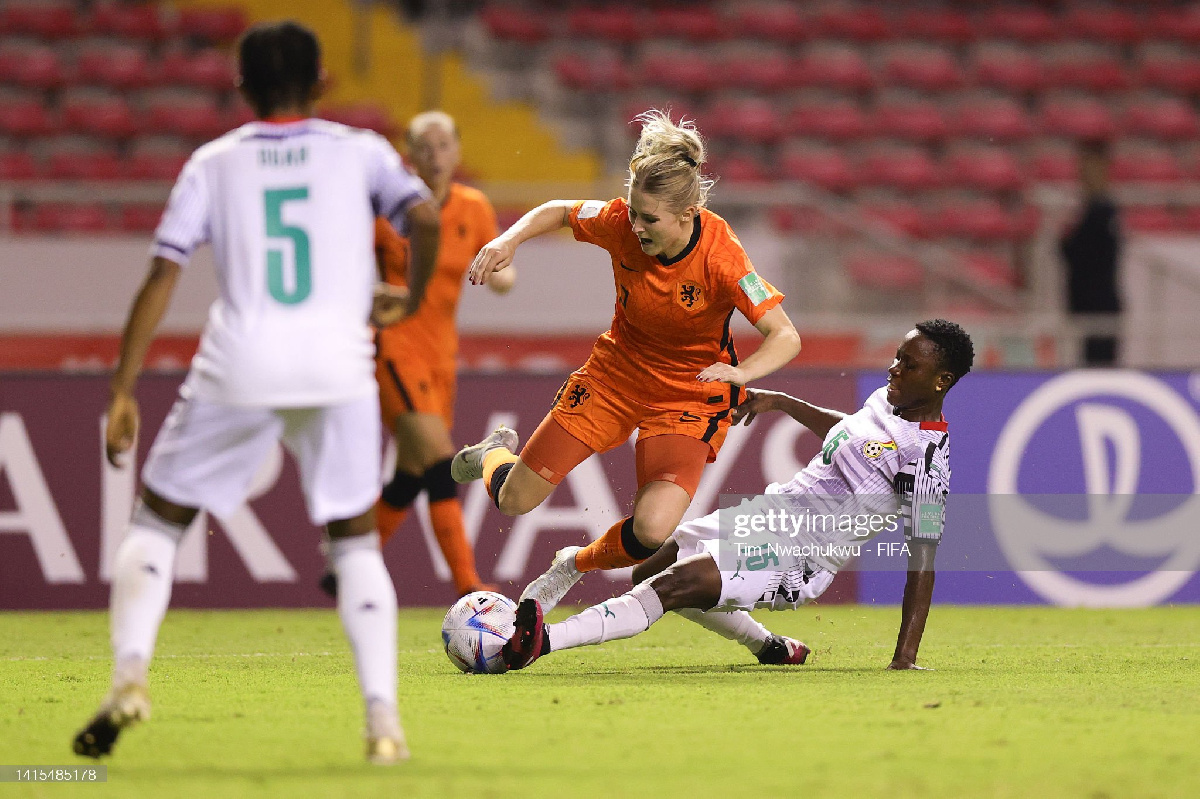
97	738
328	584
529	639
783	651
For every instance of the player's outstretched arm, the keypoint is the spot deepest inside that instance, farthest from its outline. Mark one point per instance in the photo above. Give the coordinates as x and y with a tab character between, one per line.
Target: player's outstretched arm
148	308
780	344
918	595
819	420
424	232
498	253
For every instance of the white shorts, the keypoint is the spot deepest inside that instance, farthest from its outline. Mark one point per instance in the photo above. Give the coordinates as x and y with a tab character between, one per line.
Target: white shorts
747	588
207	454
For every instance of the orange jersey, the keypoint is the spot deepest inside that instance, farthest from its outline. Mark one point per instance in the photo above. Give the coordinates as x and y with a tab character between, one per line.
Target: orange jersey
468	223
671	318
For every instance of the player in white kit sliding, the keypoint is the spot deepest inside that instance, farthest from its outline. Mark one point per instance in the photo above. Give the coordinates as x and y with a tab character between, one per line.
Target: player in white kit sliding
288	204
896	447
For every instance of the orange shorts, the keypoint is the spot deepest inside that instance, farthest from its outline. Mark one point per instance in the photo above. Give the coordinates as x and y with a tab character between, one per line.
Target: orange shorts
673	444
409	384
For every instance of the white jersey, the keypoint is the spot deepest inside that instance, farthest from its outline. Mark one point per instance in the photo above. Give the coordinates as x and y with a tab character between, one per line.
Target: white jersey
289	210
869	456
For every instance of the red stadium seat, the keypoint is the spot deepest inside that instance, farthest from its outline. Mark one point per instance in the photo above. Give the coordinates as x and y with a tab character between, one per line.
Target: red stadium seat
1188	219
922	68
694	22
195	117
836	119
132	22
1180	24
598	73
155	165
885	271
1146	219
752	119
49	20
516	24
803	219
1023	23
1055	164
119	66
1175	73
203	69
1077	117
99	115
990	269
619	24
1113	25
1080	69
900	217
999	118
758	70
362	115
826	168
1166	118
64	218
35	66
217	25
737	168
905	168
833	67
1146	165
25	116
979	220
679	70
984	168
936	24
1008	68
84	165
858	23
780	22
139	218
918	120
17	165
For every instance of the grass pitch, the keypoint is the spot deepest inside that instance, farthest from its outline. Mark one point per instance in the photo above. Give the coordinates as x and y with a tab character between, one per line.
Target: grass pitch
1024	702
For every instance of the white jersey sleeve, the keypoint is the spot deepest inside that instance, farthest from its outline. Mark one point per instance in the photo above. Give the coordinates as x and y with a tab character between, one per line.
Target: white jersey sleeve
922	486
394	190
185	223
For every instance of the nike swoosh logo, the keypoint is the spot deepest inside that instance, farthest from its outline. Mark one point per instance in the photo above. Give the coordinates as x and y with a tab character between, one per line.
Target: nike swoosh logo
627	269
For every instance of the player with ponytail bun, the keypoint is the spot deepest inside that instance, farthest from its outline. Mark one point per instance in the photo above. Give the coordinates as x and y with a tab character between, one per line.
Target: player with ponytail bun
667	367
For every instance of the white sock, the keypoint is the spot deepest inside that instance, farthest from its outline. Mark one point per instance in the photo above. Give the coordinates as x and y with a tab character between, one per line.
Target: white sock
143	569
737	626
623	617
367	606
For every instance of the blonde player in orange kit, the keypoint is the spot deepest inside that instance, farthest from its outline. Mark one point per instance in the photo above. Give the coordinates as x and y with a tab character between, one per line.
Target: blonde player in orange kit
415	364
667	368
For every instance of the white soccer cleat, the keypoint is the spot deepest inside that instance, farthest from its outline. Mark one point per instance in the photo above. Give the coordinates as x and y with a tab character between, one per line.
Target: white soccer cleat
551	587
467	465
385	739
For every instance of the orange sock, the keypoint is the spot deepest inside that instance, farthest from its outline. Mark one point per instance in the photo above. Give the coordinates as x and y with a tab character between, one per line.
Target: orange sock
609	551
446	515
388	520
493	461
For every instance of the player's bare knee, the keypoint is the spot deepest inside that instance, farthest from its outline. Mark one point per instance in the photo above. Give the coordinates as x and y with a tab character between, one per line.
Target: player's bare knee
358	525
660	560
652	529
691	583
167	510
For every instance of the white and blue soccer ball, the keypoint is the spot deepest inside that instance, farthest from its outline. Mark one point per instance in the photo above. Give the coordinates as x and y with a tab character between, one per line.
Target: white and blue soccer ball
476	629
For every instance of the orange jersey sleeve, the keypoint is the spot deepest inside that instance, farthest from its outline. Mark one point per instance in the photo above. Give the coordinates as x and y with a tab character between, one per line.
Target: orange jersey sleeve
391	253
600	223
734	277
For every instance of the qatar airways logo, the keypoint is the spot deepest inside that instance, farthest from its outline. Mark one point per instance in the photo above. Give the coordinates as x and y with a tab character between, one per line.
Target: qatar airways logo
1119	452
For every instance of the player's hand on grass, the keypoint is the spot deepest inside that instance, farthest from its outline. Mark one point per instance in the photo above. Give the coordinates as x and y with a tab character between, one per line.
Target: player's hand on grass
390	305
122	427
722	373
905	665
756	402
495	255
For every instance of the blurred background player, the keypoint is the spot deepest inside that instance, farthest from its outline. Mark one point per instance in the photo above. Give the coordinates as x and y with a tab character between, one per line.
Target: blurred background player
287	204
416	358
667	367
897	444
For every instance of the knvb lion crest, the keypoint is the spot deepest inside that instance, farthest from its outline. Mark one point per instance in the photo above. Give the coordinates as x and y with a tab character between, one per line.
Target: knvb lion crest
690	295
572	395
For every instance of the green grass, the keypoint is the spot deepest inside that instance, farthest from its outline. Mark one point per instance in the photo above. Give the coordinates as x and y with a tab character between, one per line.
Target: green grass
1024	702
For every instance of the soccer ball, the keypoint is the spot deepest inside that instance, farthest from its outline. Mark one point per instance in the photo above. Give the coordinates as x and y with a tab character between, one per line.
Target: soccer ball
476	629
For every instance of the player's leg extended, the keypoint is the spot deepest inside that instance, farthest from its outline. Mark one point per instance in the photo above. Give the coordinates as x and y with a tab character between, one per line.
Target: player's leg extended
143	570
694	582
